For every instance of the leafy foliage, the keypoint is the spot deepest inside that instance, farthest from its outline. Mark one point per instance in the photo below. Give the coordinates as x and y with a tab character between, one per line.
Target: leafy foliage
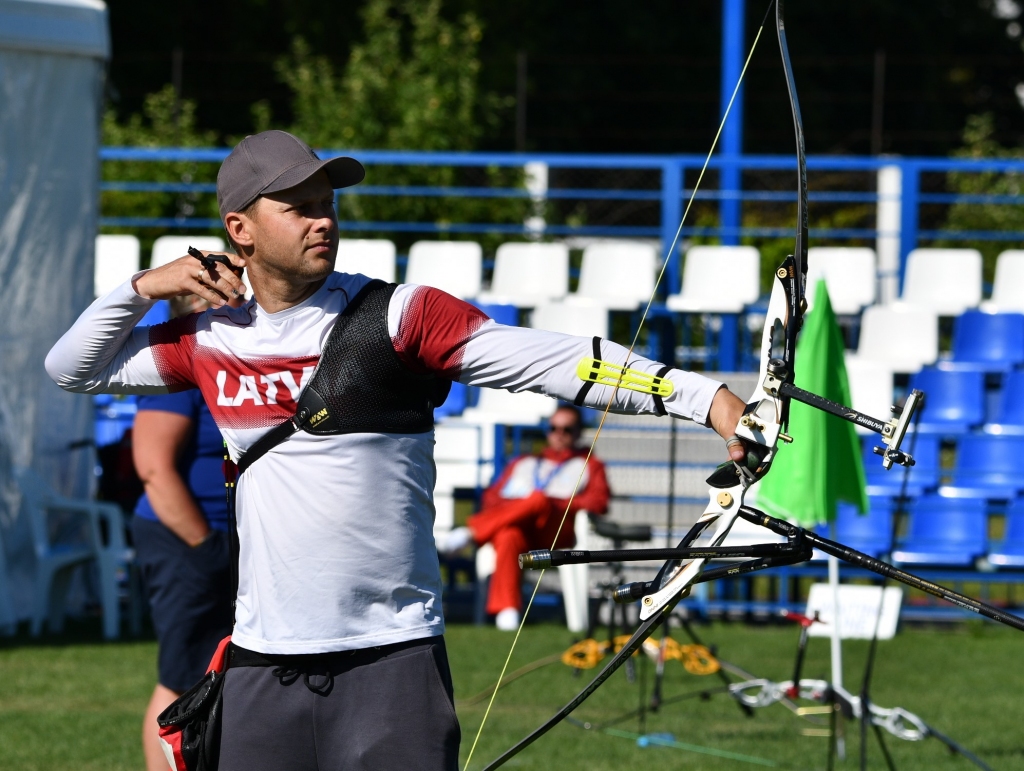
165	121
411	84
980	143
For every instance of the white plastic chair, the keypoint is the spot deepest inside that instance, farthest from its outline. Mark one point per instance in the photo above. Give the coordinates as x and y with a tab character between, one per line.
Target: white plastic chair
871	388
718	279
55	563
117	260
501	407
455	267
373	257
946	280
574	578
577	319
1008	286
169	248
850	275
904	337
619	275
526	275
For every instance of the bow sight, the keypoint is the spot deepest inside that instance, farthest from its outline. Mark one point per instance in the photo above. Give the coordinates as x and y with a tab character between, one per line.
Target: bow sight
893	432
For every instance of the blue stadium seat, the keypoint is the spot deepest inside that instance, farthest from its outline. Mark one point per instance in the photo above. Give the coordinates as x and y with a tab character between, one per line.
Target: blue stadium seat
113	416
503	314
1009	418
454	404
1010	553
923	476
987	342
158	314
944	531
870	532
986	467
955	401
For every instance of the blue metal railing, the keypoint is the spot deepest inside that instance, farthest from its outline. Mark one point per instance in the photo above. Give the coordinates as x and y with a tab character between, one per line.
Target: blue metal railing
670	194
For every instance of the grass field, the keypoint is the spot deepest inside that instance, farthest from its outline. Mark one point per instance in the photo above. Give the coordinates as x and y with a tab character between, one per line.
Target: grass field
74	703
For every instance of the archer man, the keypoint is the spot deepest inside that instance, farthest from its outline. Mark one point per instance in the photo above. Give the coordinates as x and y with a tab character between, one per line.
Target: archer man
338	657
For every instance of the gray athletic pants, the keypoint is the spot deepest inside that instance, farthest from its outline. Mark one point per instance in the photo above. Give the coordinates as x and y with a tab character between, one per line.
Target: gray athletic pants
375	709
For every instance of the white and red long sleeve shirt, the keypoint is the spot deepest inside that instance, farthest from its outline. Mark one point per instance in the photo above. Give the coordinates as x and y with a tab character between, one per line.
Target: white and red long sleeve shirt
337	551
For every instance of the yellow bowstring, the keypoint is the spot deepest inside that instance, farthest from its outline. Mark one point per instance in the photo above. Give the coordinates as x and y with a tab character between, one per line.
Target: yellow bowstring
611	398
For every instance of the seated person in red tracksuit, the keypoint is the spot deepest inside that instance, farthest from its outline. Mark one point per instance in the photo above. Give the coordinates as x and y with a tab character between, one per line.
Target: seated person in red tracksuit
523	509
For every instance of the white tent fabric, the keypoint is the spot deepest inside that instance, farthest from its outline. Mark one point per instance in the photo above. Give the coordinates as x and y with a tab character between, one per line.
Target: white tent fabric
52	55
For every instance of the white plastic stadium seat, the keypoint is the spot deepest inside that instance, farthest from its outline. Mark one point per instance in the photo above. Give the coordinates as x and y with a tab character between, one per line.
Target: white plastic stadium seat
718	279
1008	287
169	248
849	274
576	319
498	406
619	275
55	563
527	275
904	337
455	267
464	458
946	280
463	455
871	388
373	257
117	260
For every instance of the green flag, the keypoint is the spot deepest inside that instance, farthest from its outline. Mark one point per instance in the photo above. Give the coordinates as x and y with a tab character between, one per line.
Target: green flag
823	464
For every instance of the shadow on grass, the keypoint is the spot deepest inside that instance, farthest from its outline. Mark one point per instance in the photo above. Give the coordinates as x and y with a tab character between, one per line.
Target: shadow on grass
77	632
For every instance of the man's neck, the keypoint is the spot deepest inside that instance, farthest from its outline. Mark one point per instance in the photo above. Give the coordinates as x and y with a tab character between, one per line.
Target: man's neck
556	455
275	294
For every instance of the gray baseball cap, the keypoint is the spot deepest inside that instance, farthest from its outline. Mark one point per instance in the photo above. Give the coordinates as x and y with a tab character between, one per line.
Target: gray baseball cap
272	161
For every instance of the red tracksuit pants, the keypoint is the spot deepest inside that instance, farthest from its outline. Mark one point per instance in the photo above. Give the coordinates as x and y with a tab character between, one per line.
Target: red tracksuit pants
512	527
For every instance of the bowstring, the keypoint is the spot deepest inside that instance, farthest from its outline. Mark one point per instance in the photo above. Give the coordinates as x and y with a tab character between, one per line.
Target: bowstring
615	388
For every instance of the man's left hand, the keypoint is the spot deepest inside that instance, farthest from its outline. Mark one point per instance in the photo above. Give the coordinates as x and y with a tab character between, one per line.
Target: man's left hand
724	416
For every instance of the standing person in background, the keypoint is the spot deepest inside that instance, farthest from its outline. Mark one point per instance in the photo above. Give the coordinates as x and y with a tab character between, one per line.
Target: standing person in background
523	509
180	531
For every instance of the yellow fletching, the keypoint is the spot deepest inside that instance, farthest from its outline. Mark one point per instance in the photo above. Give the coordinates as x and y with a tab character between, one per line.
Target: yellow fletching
606	373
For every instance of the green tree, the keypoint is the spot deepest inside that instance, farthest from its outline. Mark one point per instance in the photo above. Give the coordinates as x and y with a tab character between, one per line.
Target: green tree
165	121
980	143
410	84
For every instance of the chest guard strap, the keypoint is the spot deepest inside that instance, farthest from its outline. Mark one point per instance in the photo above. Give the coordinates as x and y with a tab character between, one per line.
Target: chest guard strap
359	385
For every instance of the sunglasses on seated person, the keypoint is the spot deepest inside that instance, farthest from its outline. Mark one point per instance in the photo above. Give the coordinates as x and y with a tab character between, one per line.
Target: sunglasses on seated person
557	429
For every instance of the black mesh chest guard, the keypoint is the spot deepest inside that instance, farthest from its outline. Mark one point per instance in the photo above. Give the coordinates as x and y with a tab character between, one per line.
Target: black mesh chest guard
360	385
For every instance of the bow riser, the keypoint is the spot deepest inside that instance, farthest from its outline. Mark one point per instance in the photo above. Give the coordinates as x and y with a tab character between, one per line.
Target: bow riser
761	425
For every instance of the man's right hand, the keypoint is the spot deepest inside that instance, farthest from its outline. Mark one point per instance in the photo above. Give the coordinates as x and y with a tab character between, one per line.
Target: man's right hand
186	275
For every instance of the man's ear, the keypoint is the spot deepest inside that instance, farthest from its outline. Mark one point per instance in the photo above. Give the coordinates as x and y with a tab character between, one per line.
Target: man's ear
239	228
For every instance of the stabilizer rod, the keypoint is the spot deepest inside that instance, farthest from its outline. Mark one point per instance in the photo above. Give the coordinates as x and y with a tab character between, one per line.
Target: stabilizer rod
860	559
547	558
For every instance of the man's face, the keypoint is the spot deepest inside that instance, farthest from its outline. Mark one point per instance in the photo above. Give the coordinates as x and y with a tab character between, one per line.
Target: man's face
295	231
563	430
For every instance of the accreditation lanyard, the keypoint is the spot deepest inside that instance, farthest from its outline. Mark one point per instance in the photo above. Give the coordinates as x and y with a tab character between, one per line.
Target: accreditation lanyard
541	483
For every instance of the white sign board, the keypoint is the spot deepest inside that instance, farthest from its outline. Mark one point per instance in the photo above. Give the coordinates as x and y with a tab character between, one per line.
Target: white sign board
858	611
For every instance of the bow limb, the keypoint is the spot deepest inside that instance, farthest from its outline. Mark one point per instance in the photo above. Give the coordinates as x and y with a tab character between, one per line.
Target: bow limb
797	303
635	641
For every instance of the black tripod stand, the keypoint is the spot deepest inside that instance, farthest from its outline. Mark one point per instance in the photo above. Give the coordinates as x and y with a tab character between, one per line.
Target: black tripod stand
619	535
